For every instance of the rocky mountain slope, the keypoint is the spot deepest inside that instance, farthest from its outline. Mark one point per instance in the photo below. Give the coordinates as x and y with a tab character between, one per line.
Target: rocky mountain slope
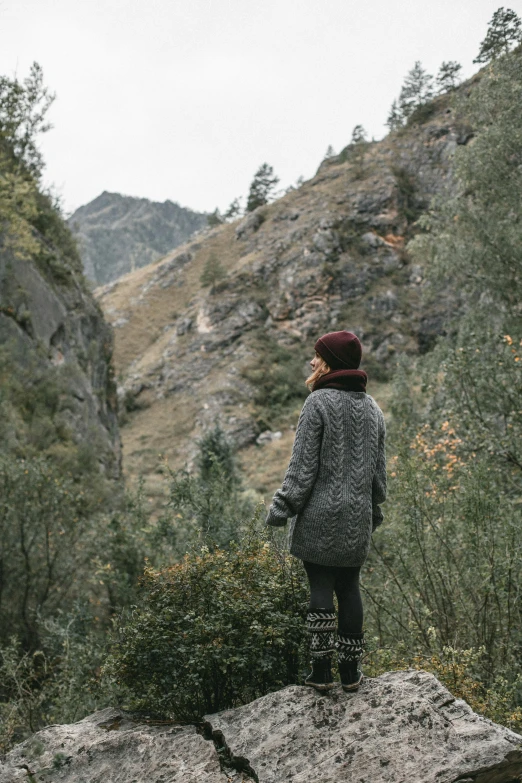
329	255
58	393
402	726
119	233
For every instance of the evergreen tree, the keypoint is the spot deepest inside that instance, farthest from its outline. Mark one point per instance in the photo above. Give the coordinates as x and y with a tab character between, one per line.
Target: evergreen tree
23	109
416	90
213	272
234	210
448	76
330	152
215	218
358	135
262	187
504	30
358	146
395	119
215	454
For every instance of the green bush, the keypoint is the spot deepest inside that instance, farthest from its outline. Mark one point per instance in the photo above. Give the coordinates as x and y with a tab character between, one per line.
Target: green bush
217	630
278	382
58	683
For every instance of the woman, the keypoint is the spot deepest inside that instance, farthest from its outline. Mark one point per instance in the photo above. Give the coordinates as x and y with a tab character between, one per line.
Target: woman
334	485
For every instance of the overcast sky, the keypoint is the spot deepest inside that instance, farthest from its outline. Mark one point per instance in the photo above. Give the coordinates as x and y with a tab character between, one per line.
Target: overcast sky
184	99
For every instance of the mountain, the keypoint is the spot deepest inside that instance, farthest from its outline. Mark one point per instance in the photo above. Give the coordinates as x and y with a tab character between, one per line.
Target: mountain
58	392
117	234
329	255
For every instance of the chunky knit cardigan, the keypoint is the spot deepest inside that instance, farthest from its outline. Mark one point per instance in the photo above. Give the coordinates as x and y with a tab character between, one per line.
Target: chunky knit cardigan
336	479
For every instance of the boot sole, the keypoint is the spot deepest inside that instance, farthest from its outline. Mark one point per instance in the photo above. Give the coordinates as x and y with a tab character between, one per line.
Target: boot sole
353	686
321	687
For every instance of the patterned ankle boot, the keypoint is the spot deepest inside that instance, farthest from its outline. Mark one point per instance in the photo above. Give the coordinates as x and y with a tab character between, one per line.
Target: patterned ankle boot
321	626
349	654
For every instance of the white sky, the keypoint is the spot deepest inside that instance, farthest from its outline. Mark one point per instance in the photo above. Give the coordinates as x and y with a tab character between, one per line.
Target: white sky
184	99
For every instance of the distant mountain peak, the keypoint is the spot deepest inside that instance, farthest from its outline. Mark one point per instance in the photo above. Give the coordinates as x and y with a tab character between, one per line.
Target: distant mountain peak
118	233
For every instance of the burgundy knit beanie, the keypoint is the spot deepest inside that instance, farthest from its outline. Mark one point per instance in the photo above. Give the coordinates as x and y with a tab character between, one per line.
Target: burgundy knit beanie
340	350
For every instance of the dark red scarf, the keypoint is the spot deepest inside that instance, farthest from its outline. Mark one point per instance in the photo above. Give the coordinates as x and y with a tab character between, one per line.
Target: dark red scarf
346	380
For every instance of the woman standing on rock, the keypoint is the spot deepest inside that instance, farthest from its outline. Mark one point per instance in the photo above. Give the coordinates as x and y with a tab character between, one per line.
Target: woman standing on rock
334	485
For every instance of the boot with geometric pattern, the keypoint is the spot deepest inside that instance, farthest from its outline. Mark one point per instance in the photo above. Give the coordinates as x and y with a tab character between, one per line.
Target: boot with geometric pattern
321	624
349	653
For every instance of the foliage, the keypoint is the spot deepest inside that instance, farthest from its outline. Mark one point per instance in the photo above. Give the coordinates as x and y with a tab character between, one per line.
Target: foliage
394	120
56	546
479	225
213	272
261	187
31	224
23	108
445	573
274	380
217	630
57	683
43	520
416	92
234	210
448	76
359	135
407	204
214	449
215	218
210	503
505	29
449	566
414	104
330	152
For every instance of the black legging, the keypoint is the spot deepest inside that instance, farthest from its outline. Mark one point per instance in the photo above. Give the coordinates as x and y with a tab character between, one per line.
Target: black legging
324	580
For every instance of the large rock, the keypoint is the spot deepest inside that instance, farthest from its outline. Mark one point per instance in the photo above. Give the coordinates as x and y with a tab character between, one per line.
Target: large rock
403	726
55	342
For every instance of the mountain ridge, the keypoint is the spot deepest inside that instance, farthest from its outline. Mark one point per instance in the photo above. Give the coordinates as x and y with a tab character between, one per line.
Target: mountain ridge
328	255
118	233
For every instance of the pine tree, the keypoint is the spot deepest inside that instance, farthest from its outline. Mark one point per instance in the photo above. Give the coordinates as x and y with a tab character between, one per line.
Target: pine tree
395	120
505	29
416	90
330	152
262	187
214	219
234	210
448	76
357	150
213	272
358	135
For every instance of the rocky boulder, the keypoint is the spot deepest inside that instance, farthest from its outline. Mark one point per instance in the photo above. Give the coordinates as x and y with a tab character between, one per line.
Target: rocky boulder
402	726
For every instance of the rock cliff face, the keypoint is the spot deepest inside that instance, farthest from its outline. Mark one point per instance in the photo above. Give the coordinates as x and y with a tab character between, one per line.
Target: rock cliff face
119	233
57	389
400	727
328	255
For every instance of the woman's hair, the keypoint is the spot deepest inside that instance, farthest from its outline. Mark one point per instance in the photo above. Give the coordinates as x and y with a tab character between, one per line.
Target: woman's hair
321	369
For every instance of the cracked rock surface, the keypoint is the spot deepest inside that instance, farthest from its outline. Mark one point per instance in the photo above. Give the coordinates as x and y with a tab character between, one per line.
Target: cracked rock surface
402	726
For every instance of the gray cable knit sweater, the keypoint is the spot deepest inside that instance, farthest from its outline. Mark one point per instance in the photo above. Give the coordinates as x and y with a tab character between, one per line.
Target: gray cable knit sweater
336	479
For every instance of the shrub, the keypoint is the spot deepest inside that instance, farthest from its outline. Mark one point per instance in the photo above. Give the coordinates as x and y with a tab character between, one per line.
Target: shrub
217	630
57	683
276	381
445	571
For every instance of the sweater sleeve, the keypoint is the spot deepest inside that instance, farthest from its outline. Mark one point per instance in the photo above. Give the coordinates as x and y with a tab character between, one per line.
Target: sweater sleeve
379	477
302	469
